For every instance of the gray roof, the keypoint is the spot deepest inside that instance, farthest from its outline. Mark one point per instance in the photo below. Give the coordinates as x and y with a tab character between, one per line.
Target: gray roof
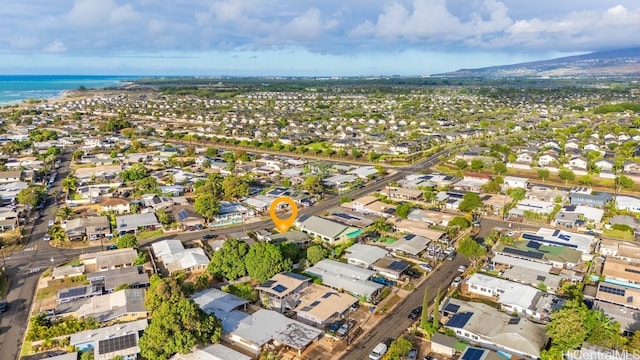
212	352
349	277
134	221
212	299
133	275
114	305
318	225
69	356
445	340
410	244
119	257
365	253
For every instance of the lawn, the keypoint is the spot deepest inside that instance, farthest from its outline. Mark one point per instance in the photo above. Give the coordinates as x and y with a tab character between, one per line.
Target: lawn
389	240
150	234
316	146
618	234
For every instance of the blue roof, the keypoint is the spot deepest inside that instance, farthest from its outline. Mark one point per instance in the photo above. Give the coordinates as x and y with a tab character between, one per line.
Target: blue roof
473	353
459	320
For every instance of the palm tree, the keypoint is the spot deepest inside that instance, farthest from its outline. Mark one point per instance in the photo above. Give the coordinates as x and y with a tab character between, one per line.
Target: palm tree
57	234
65	212
380	225
70	183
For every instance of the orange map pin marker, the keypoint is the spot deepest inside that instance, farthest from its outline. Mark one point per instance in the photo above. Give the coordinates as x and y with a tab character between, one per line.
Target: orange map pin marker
283	225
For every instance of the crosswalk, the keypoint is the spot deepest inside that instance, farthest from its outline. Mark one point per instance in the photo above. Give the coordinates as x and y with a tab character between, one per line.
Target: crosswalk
31	248
33	270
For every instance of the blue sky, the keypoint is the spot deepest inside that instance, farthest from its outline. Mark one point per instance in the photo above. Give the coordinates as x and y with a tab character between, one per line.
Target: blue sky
302	37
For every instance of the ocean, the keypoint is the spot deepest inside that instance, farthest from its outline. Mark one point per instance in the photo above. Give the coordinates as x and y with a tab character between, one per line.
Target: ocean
18	88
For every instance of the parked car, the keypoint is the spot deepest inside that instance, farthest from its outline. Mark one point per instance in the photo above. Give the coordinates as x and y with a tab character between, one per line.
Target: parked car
413	354
412	273
51	223
3	306
462	268
378	352
209	236
415	313
429	357
426	267
47	237
335	326
111	247
354	307
382	281
344	328
456	282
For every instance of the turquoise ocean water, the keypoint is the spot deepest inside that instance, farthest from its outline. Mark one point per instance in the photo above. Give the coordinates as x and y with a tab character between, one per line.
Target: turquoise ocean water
18	88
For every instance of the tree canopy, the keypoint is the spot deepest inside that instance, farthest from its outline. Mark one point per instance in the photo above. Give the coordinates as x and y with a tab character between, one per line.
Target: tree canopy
134	172
470	201
313	184
471	248
127	241
234	187
228	261
207	205
265	260
402	210
32	195
316	253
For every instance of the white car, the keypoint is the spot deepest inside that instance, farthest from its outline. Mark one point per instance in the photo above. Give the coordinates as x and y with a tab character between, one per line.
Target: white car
378	352
47	237
456	282
462	268
51	223
426	267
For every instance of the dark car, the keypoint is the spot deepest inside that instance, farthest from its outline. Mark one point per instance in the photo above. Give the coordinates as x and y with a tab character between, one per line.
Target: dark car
3	306
209	236
335	326
415	313
413	354
412	273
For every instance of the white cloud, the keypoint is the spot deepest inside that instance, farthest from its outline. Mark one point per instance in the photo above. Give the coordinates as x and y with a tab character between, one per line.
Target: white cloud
97	13
56	47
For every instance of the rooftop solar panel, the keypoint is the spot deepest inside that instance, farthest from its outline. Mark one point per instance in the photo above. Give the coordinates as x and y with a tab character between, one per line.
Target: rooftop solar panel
514	321
397	265
315	303
527	236
326	295
409	237
117	343
452	308
279	288
529	254
473	354
555	233
459	320
73	292
182	214
533	245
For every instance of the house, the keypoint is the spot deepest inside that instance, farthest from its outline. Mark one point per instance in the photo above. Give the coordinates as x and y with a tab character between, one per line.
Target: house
230	213
133	276
524	157
136	222
410	244
347	277
11	176
253	331
556	256
630	167
628	220
93	228
212	352
525	271
390	268
629	203
514	297
364	172
187	217
364	255
584	197
476	353
156	202
400	193
605	164
482	324
621	284
292	236
511	182
472	182
339	180
67	271
111	341
175	257
123	305
281	292
78	293
547	159
544	193
578	162
556	237
371	205
327	230
115	204
319	305
109	259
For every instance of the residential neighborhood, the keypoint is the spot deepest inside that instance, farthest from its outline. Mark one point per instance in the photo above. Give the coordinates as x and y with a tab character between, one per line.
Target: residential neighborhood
142	220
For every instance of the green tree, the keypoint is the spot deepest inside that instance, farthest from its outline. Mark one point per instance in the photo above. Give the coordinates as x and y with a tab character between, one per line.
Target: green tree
228	262
32	195
234	187
380	225
491	187
87	355
436	310
177	327
127	241
147	185
566	174
313	184
70	183
568	327
460	222
477	164
162	290
403	210
470	201
517	194
65	212
356	153
461	164
543	174
625	182
316	253
499	167
265	260
471	248
212	185
135	172
77	154
207	205
163	217
424	316
399	349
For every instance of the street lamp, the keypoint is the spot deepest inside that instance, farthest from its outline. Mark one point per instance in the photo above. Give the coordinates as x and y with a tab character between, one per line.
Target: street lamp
4	263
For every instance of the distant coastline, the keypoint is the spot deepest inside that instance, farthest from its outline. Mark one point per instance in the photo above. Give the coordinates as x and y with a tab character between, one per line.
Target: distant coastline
16	89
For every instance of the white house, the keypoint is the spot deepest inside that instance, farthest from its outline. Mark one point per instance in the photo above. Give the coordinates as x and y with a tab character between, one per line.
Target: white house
627	203
515	182
578	162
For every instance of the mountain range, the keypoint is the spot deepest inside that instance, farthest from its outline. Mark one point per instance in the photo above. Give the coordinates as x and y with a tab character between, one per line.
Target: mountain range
613	63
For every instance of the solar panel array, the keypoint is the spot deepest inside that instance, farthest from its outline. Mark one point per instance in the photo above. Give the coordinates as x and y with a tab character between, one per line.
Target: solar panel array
525	253
611	290
397	265
514	321
473	354
532	237
533	245
116	344
73	292
409	237
279	288
182	215
459	320
452	308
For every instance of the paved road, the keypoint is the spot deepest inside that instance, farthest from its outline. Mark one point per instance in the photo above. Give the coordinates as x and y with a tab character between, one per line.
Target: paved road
397	321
